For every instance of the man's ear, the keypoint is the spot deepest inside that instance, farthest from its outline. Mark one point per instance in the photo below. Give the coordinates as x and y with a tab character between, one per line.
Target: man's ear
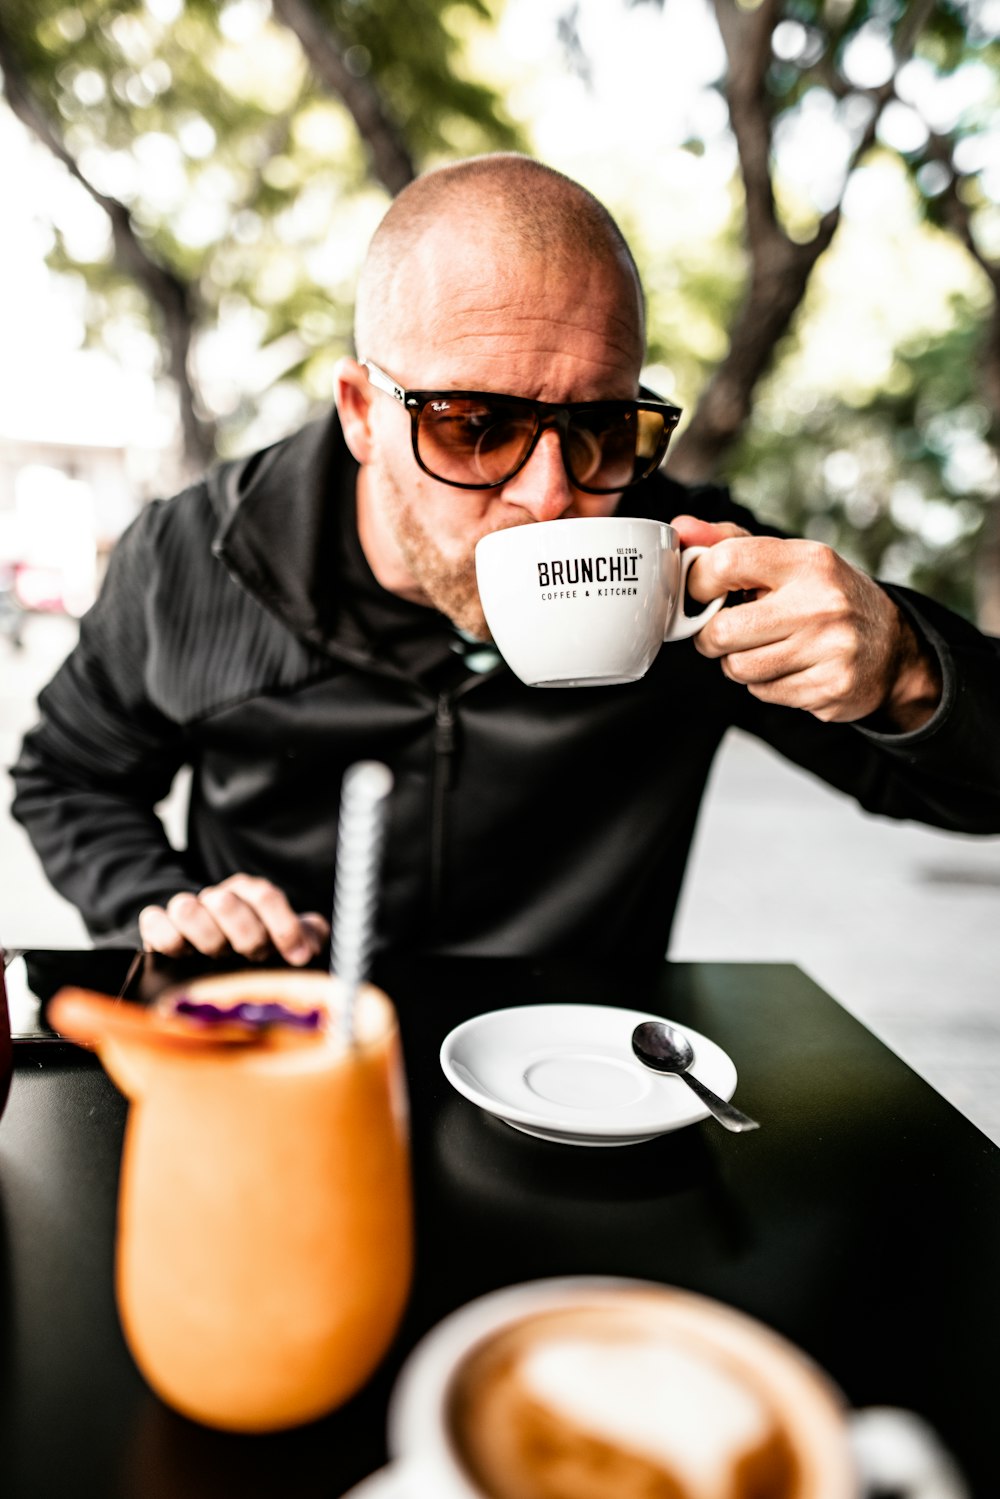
353	393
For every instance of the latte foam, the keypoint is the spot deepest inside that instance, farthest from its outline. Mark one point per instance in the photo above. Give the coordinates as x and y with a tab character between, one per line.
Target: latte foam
612	1403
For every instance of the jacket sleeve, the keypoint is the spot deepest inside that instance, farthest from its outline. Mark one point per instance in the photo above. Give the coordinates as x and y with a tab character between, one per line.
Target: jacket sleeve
102	755
955	757
946	773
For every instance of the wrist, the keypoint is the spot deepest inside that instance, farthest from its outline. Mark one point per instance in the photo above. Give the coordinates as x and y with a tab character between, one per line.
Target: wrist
916	684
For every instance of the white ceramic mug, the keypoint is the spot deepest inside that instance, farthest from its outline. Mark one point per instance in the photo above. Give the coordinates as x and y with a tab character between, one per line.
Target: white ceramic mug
721	1357
587	601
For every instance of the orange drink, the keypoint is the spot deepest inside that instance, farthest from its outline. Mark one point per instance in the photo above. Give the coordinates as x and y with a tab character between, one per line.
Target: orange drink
264	1219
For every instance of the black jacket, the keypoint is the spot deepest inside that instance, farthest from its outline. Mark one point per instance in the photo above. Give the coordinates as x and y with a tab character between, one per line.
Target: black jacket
523	821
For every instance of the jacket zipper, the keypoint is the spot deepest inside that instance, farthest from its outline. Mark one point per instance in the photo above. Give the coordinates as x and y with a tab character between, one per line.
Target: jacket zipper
445	763
445	745
443	777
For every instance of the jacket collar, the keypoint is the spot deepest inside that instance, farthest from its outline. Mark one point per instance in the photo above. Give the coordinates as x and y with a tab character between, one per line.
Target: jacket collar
277	528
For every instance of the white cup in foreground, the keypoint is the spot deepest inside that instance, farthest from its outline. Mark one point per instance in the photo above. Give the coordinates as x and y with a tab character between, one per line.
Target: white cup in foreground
587	601
586	1388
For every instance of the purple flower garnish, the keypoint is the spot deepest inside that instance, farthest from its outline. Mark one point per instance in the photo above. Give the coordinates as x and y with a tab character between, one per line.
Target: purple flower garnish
249	1013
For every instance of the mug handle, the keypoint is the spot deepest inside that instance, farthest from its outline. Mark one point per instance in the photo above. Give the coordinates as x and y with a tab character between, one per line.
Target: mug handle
682	626
897	1452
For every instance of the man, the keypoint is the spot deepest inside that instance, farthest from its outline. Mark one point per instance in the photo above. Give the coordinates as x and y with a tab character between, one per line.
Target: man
316	604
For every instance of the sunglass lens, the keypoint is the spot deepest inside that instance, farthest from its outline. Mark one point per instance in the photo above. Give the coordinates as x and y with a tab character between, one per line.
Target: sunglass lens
605	449
652	436
472	441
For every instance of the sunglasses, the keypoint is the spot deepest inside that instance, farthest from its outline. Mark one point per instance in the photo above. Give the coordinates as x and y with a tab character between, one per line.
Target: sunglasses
477	440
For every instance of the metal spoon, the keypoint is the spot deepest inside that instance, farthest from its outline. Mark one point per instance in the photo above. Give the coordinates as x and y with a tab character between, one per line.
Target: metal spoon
664	1049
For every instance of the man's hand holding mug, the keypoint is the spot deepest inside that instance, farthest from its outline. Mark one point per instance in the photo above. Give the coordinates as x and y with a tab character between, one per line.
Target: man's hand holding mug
815	633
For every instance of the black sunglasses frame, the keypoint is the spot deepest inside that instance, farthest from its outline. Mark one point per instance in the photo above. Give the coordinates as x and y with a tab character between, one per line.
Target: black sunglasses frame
546	413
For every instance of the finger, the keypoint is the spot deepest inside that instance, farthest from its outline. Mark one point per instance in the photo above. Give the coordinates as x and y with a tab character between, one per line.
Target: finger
768	665
803	690
777	645
195	923
295	941
238	921
786	649
158	933
318	929
744	627
702	533
817	690
768	562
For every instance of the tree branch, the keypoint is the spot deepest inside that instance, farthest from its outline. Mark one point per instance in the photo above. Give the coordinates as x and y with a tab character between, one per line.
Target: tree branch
390	158
746	36
780	267
172	297
957	210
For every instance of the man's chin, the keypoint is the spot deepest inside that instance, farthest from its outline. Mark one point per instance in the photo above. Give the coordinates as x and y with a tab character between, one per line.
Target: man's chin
458	599
470	620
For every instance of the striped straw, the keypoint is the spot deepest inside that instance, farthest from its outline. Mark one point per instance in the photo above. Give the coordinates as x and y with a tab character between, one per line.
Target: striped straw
360	835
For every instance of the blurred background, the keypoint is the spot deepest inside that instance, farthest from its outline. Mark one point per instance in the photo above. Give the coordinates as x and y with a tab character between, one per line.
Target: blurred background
812	192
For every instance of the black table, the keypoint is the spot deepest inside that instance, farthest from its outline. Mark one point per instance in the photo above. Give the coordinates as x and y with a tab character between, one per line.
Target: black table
862	1221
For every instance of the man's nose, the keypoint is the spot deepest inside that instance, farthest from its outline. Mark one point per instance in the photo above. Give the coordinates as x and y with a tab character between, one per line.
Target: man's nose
542	487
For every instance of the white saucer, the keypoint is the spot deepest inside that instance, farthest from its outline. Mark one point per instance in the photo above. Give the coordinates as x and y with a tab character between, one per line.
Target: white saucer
566	1072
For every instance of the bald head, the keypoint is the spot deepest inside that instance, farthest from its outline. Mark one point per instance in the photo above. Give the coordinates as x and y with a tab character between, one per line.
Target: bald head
489	217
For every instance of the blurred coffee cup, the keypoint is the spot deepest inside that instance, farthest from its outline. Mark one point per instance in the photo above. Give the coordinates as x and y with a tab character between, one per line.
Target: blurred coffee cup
584	1388
587	601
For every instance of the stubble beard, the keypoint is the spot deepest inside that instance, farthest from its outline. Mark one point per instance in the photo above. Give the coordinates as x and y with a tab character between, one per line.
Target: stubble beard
450	586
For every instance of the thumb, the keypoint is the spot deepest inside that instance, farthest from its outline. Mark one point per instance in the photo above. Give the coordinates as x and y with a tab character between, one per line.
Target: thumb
702	533
317	929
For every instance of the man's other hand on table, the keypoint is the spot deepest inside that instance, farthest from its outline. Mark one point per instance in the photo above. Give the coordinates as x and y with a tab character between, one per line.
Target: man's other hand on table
243	914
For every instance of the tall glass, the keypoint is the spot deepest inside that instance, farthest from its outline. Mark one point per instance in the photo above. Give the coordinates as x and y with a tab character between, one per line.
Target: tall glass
264	1216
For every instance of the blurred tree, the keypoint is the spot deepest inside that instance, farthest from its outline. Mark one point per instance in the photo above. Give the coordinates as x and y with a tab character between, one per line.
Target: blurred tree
899	483
918	78
241	154
770	74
